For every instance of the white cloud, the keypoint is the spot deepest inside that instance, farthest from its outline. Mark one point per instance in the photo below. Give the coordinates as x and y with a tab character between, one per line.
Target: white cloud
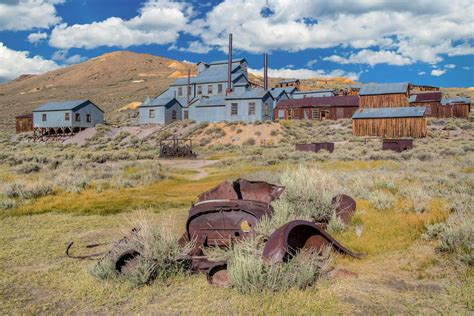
450	66
372	58
305	73
438	72
15	63
19	15
35	38
311	63
421	73
159	22
466	68
194	47
63	57
404	31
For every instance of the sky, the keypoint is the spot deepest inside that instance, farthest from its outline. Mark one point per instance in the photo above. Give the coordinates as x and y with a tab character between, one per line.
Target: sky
427	42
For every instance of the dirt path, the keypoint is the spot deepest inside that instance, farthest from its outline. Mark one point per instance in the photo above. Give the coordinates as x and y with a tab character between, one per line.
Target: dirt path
189	164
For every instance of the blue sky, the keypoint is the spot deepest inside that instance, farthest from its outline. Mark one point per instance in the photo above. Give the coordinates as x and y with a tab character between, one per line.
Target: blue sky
425	42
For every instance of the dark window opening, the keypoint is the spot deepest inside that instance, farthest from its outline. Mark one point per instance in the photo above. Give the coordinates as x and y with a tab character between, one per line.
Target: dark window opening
78	117
199	90
180	91
88	118
234	109
173	115
151	114
219	88
186	114
252	108
43	118
209	89
67	117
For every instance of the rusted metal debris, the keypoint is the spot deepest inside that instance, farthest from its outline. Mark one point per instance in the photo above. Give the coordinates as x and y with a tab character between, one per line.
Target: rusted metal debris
299	235
229	213
397	145
176	148
315	147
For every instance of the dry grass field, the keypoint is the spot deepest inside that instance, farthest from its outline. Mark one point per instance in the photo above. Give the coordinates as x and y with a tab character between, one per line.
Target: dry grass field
414	218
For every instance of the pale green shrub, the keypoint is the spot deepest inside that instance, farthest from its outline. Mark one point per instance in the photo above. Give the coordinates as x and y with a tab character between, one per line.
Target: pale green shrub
382	200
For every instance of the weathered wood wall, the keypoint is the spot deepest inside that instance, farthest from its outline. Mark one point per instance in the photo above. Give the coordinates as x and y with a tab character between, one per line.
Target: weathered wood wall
334	113
24	124
431	107
390	127
383	100
460	110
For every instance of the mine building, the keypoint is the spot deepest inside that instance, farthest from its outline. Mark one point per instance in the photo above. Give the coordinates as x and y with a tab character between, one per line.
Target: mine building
24	123
313	94
316	108
392	122
380	95
288	83
66	117
458	107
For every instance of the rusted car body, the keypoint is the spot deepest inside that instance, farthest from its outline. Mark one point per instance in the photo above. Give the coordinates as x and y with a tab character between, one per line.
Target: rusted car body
315	147
397	145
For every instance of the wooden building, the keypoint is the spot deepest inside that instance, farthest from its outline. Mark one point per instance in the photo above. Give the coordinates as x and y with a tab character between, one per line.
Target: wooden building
289	83
382	95
430	100
319	108
24	123
454	107
395	122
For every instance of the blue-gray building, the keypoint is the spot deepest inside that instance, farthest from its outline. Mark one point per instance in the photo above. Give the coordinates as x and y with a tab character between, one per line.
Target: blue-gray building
161	110
71	115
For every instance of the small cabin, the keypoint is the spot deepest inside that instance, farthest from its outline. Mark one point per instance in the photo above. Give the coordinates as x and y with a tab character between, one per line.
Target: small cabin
430	100
319	108
459	107
24	123
288	83
382	95
161	110
67	116
394	122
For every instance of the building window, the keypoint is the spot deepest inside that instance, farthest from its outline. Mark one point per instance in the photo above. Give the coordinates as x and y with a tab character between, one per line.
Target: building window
324	115
186	114
199	88
234	109
189	90
67	116
288	114
88	118
43	117
219	88
209	89
252	108
180	91
151	114
314	114
266	110
78	117
173	115
295	113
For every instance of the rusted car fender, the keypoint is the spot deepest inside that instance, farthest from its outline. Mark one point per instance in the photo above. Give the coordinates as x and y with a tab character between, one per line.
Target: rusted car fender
296	235
345	207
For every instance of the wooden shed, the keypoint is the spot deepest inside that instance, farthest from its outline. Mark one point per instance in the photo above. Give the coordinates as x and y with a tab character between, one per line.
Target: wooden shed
454	107
381	95
318	108
24	123
430	100
390	122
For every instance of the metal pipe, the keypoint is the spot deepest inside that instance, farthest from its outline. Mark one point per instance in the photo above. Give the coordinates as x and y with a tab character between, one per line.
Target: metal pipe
188	88
229	70
265	71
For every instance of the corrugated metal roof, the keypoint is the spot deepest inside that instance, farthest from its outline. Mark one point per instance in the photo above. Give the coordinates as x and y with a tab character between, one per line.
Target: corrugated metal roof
446	101
345	100
290	90
412	111
426	97
211	74
217	100
277	92
384	88
314	91
60	106
257	93
236	60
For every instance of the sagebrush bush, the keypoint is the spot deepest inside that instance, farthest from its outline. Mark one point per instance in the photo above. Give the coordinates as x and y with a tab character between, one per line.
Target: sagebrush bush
28	167
7	203
27	190
382	200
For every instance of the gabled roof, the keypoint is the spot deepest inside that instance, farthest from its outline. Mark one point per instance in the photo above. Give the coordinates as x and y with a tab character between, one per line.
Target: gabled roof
384	88
465	100
426	97
290	90
63	106
257	93
277	92
369	113
339	101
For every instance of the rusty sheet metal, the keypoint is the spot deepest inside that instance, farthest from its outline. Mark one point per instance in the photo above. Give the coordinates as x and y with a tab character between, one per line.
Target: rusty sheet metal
217	274
296	235
242	189
344	206
219	222
397	145
127	262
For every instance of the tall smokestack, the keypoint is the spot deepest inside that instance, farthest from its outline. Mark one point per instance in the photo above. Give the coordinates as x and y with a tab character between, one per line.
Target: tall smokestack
229	70
188	87
265	71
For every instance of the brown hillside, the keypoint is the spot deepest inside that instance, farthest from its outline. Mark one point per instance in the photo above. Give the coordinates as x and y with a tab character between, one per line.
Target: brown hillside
111	81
